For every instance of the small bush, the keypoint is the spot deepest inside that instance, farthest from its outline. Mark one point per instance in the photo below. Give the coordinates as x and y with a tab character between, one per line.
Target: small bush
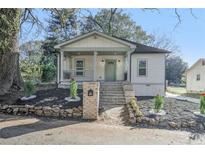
202	104
29	88
73	89
136	108
158	103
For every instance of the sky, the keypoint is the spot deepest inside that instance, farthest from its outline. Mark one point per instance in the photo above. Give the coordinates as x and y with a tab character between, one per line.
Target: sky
189	35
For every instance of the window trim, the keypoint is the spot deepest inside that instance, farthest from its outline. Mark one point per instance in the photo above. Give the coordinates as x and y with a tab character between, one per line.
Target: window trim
79	59
138	68
198	75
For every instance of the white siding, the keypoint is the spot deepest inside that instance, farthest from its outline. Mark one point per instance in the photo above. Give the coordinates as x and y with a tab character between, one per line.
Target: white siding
92	41
154	82
192	83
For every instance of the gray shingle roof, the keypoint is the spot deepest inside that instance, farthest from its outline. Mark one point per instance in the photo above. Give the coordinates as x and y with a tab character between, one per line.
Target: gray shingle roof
141	48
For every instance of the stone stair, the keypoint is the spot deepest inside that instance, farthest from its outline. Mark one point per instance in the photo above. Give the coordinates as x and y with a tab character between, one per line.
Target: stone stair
111	93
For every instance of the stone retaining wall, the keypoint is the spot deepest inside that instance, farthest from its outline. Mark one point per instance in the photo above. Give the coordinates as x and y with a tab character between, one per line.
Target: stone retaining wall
46	111
128	91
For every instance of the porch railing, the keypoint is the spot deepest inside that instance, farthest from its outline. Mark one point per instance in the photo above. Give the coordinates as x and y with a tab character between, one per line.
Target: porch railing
84	75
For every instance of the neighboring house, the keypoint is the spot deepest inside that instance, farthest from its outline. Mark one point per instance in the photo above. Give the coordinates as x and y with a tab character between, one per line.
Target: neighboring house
96	56
195	77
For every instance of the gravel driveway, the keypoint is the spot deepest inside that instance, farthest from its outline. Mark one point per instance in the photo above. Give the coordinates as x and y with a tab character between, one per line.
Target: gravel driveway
28	130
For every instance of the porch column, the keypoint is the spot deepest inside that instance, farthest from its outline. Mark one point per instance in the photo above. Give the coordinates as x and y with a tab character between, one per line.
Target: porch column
94	65
62	63
128	65
58	68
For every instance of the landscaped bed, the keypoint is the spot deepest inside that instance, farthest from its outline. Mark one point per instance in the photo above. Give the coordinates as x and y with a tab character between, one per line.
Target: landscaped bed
52	97
50	102
179	115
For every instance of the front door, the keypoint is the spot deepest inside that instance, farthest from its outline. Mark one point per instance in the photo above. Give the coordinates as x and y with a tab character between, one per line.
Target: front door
110	70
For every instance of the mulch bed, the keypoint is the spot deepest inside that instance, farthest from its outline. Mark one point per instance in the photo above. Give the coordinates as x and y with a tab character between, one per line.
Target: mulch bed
50	97
179	113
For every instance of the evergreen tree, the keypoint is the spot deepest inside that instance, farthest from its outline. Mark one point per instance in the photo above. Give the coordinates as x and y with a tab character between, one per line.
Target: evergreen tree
61	26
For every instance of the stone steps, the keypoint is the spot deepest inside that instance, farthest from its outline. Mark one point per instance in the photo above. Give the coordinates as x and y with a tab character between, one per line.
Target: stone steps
111	93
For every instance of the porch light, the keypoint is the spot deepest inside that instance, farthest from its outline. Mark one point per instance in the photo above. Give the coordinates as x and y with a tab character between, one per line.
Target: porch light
118	60
103	60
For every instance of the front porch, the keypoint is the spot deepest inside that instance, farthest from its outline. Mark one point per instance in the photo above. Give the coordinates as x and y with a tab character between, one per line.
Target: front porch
110	66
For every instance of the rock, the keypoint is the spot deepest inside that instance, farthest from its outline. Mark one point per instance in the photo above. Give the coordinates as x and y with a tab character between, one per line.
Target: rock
54	106
39	112
9	110
70	111
24	110
138	119
76	115
152	121
55	114
56	109
76	110
48	113
4	107
29	107
184	124
63	113
131	115
192	123
38	107
145	119
45	108
69	115
15	111
173	124
80	108
201	127
31	110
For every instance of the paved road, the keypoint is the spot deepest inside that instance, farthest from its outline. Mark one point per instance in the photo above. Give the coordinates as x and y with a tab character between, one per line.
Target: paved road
21	130
182	98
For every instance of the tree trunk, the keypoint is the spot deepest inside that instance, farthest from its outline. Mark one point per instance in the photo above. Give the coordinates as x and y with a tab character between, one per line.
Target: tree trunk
10	77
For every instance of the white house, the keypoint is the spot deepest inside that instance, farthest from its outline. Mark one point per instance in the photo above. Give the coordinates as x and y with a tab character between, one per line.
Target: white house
96	56
195	77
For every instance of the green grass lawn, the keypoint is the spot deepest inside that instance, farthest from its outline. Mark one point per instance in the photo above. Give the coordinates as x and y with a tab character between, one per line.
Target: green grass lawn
182	91
176	90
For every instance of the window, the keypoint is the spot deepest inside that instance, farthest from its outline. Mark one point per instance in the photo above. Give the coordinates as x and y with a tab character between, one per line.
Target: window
142	67
198	77
203	62
79	67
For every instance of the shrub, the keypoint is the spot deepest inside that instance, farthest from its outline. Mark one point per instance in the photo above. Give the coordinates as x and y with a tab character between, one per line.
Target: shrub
48	68
202	104
73	88
135	107
158	103
29	88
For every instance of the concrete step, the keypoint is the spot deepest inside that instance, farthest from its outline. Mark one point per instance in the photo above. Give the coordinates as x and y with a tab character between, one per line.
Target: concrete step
112	94
112	100
110	86
111	83
111	89
111	97
102	103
